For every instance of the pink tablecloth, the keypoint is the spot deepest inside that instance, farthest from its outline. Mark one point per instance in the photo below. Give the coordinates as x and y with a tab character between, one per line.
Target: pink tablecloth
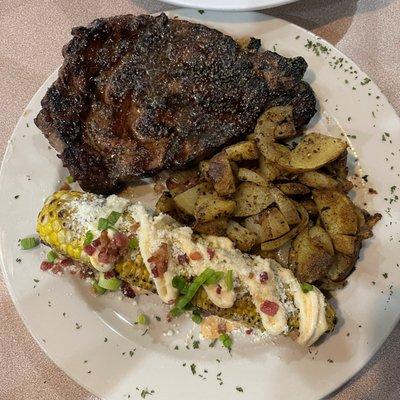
32	33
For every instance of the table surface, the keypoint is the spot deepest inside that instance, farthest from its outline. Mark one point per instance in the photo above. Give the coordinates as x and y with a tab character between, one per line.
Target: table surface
32	34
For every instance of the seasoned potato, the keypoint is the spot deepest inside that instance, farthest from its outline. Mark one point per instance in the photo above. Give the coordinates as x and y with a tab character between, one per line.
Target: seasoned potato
186	201
260	225
342	267
220	174
337	212
293	188
251	199
279	242
286	206
180	181
216	227
345	244
242	237
276	123
273	152
277	223
209	207
310	206
248	175
318	180
310	262
270	171
165	204
320	237
242	151
313	151
338	168
203	168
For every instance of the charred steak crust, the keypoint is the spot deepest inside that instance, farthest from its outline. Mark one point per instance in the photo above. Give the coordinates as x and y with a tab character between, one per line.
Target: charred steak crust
136	95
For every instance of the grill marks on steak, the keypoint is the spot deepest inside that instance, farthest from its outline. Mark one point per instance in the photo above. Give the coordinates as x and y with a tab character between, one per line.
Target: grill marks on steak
136	95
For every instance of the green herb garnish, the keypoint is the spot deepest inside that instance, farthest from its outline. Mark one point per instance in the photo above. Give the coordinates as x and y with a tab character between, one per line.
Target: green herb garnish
109	284
229	280
142	319
70	179
52	256
239	389
226	340
215	277
98	289
179	283
306	287
103	224
133	243
196	317
29	243
88	238
113	217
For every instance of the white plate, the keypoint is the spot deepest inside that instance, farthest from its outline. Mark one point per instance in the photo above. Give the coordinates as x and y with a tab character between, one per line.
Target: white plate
76	340
229	5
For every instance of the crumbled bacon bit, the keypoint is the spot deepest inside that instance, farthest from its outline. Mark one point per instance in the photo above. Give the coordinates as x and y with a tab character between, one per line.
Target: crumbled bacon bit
66	262
195	255
211	252
249	331
158	188
104	239
109	274
269	307
85	272
127	290
89	249
263	277
120	240
159	260
221	327
57	268
65	186
96	242
46	265
183	259
218	289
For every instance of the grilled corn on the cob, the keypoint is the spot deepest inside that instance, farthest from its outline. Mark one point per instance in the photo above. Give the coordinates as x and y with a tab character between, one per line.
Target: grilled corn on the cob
67	216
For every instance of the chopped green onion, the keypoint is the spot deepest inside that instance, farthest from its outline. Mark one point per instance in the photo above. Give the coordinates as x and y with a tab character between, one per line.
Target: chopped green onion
226	340
109	284
142	319
29	243
133	243
98	289
179	282
103	224
229	280
52	256
88	238
70	179
306	287
192	290
196	317
113	217
215	277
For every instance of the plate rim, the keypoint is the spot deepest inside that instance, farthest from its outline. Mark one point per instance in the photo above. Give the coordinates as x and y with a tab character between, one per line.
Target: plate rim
358	370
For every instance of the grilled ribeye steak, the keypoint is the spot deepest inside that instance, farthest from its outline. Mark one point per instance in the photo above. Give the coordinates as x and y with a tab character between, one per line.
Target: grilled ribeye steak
136	95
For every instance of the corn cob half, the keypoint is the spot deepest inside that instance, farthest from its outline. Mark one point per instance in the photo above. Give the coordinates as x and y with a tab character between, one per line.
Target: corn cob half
67	217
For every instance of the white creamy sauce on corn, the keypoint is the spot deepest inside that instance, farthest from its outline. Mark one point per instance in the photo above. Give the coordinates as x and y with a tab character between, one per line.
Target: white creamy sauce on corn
247	269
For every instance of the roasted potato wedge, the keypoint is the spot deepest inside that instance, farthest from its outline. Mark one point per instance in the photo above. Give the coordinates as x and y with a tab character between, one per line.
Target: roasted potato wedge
220	174
293	188
181	181
309	262
337	212
216	227
310	206
286	206
242	151
318	180
248	175
320	237
165	204
342	267
345	244
313	152
186	200
251	199
242	237
279	242
270	171
277	223
210	206
276	123
273	152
